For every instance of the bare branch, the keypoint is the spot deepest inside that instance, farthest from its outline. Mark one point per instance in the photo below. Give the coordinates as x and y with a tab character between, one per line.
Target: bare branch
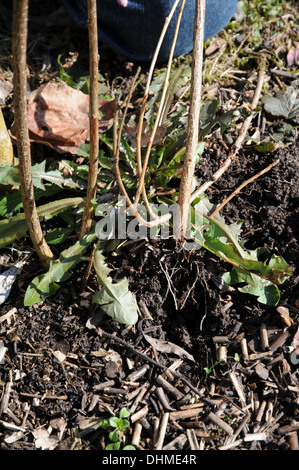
193	117
93	117
19	51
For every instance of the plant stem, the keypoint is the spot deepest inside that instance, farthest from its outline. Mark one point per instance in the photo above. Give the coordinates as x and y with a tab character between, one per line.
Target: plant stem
93	118
193	117
242	134
239	188
142	170
19	51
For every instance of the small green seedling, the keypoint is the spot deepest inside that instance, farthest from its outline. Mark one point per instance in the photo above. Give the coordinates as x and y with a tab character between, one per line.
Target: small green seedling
116	426
208	370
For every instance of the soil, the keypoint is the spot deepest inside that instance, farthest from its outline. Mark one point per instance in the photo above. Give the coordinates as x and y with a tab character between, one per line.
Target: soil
61	375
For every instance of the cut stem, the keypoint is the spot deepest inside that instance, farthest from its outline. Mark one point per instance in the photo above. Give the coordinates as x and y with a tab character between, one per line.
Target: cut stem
193	117
93	118
19	51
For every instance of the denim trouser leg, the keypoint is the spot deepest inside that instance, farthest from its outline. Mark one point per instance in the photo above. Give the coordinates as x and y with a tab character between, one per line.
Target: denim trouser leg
134	31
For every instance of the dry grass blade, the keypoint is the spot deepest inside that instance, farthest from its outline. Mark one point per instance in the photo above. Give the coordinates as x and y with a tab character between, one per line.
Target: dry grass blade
142	169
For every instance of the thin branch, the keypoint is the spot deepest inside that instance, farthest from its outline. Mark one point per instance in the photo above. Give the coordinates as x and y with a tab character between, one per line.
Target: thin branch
193	117
239	141
93	118
149	79
142	169
120	341
129	203
19	52
245	183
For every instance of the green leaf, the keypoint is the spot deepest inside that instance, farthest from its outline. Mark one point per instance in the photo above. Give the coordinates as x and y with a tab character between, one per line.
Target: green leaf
104	424
115	299
45	285
58	235
259	278
9	175
114	422
114	446
285	103
113	436
124	413
124	424
11	201
15	227
129	447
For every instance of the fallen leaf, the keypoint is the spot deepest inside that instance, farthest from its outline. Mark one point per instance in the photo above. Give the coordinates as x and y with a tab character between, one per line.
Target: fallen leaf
295	342
261	371
169	348
293	55
8	277
6	88
285	316
3	350
43	440
58	116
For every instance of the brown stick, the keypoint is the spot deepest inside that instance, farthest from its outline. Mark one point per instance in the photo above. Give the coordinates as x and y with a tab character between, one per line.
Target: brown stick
193	117
93	117
142	170
118	340
250	180
19	51
239	141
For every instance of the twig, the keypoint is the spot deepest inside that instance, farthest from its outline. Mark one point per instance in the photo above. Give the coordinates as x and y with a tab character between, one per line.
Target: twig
19	51
220	423
142	169
93	118
245	183
118	340
117	132
162	431
117	135
193	117
239	141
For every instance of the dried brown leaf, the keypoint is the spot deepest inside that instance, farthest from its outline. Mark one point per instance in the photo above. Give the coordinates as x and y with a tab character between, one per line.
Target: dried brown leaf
295	342
167	347
285	316
293	55
58	116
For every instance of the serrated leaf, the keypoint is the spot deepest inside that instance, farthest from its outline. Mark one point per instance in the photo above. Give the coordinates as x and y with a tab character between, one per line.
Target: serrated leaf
46	284
15	227
266	292
9	175
114	299
260	277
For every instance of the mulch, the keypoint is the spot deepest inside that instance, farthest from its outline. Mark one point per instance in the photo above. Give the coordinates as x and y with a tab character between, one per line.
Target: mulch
204	368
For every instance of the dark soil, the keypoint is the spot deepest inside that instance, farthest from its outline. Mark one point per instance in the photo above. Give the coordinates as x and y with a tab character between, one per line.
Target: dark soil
61	376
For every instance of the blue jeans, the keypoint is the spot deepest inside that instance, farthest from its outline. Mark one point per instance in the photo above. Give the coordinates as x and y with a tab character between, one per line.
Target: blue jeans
134	31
